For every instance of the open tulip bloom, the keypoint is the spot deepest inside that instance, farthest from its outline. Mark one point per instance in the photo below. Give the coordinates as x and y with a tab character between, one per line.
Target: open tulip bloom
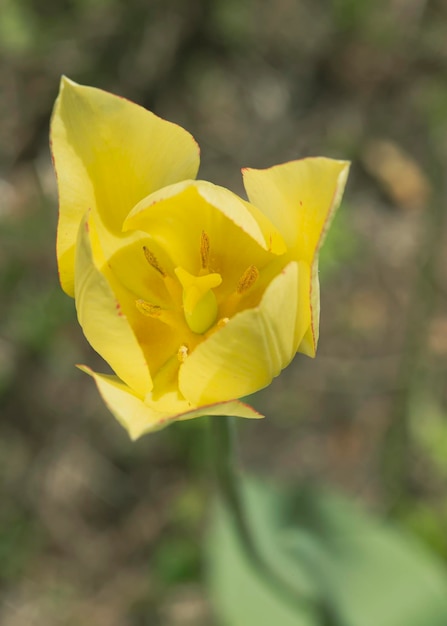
194	296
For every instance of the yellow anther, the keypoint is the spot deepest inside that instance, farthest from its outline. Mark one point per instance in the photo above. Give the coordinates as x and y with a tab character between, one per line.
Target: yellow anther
153	261
156	312
182	353
148	309
248	278
223	322
204	249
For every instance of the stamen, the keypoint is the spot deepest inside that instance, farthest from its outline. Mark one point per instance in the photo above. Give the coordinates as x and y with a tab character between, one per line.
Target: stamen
204	249
223	322
153	261
248	278
158	313
148	309
182	353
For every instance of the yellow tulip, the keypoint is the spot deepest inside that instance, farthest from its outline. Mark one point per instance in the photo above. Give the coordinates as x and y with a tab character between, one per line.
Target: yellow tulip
194	296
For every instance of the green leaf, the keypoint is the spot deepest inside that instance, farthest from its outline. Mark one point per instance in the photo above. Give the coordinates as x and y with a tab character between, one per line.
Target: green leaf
240	592
347	568
371	573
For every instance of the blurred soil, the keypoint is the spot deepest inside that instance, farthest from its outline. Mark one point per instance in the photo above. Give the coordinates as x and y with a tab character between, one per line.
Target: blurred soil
97	530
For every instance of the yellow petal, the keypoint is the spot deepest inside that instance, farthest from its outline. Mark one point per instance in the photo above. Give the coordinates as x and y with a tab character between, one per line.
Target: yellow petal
165	396
303	320
176	217
273	238
310	340
300	198
102	319
108	154
131	279
252	348
199	204
128	408
138	418
187	193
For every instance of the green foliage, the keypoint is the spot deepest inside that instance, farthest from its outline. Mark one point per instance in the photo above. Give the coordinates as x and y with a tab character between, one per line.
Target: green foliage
231	20
428	523
367	20
19	540
429	428
241	594
176	560
348	569
17	27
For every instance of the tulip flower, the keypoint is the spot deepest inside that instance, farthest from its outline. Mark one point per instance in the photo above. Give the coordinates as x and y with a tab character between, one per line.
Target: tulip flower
194	296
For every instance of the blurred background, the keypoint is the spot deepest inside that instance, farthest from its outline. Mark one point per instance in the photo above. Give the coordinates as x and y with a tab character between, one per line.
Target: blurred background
97	530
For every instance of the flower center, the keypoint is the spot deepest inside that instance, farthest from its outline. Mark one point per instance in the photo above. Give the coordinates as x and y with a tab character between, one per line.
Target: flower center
195	295
199	301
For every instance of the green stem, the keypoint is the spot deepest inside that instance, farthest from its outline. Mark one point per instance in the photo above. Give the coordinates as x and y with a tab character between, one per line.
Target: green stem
224	435
229	484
